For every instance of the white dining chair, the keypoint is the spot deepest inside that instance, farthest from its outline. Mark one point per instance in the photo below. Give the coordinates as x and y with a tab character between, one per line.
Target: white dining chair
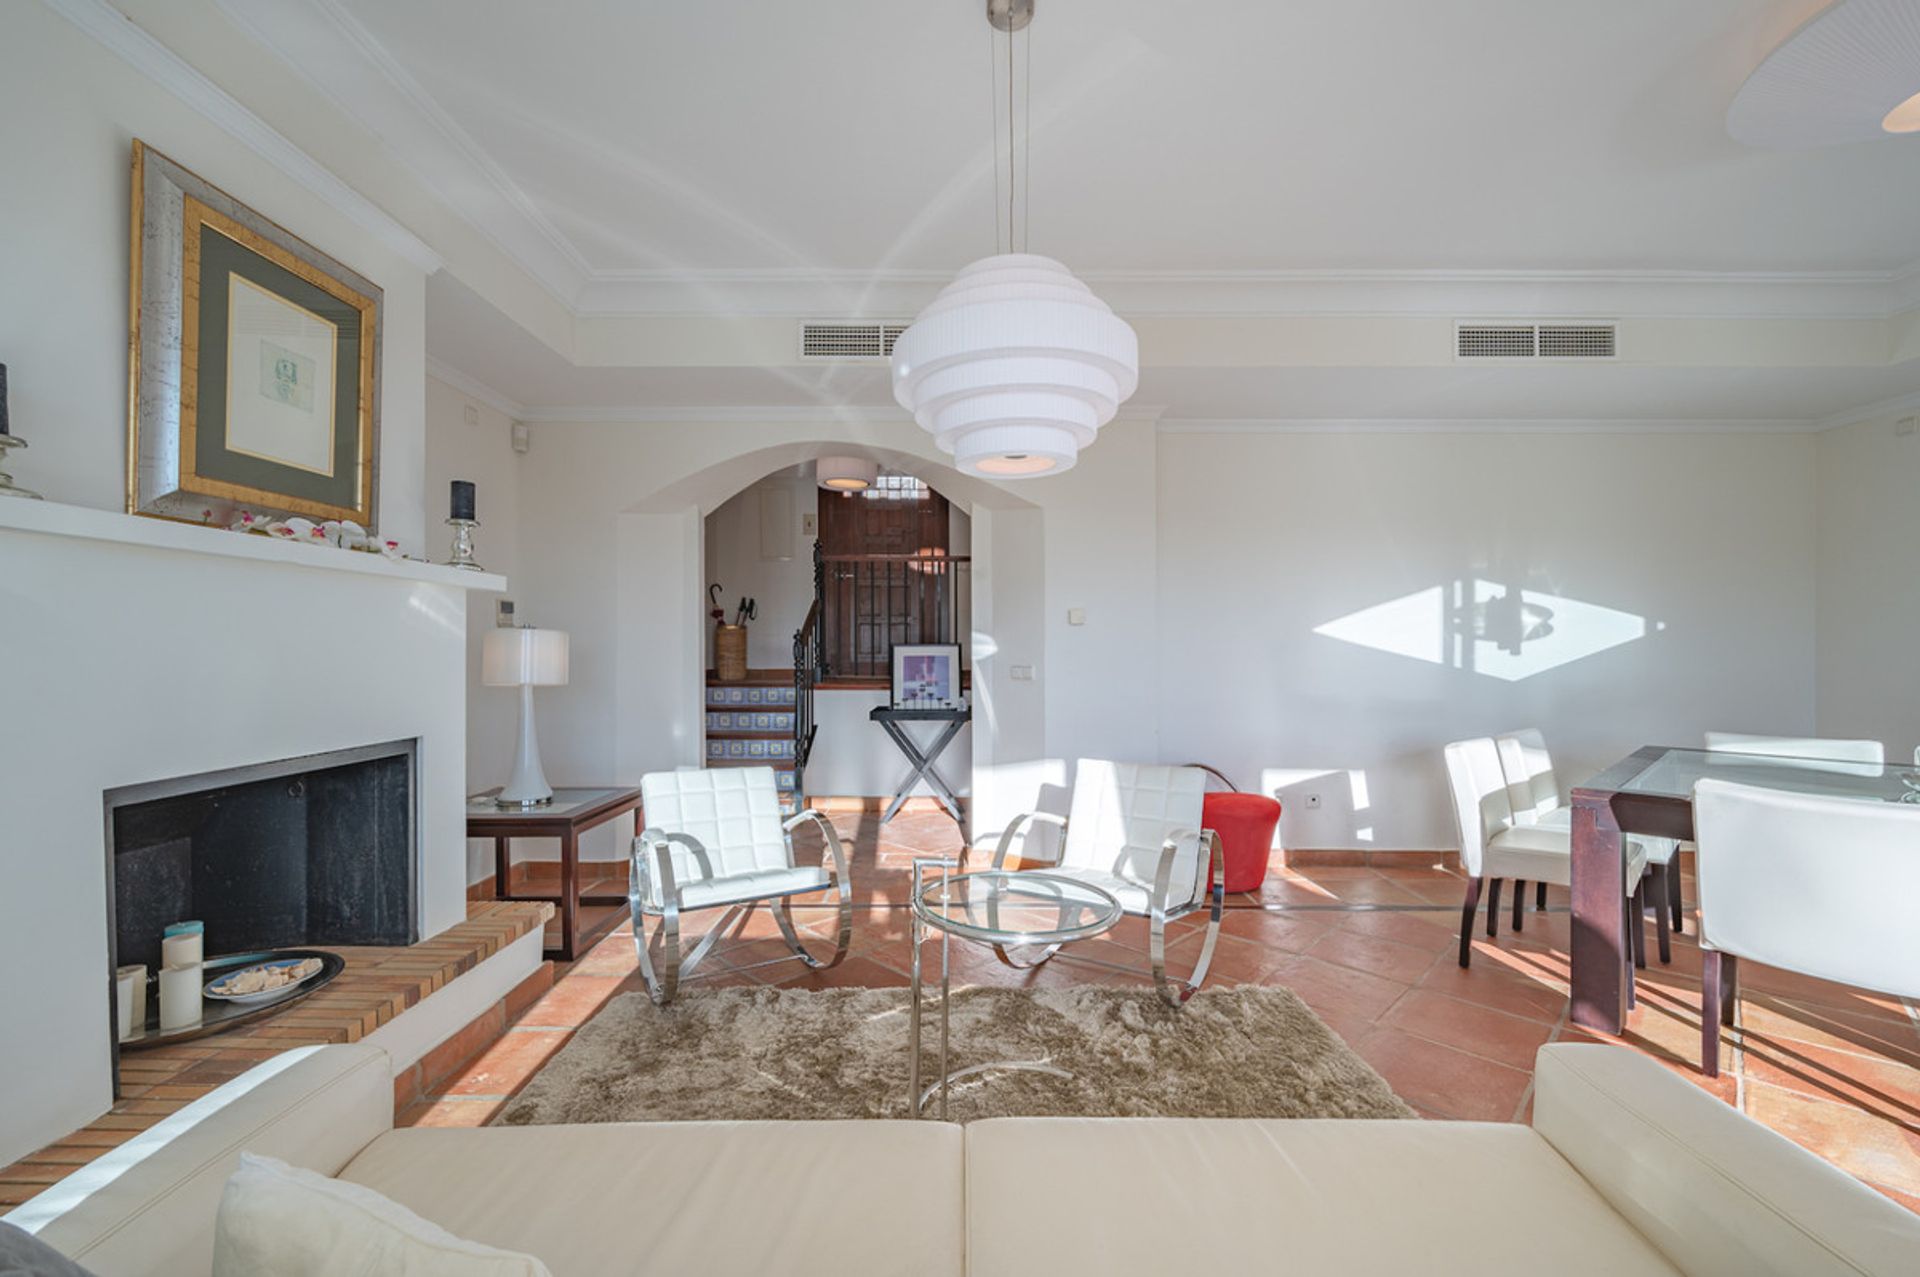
1495	844
1134	831
1821	886
1534	791
716	840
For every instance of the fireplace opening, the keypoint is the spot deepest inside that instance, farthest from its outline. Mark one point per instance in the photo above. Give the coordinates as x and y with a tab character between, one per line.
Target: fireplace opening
317	850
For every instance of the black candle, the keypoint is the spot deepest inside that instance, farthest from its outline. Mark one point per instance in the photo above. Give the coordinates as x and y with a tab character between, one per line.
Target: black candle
3	399
462	499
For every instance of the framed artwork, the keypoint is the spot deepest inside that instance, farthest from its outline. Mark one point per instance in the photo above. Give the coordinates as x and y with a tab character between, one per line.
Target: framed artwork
254	362
926	676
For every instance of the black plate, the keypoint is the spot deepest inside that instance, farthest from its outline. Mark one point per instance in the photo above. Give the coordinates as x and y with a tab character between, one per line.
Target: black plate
217	1016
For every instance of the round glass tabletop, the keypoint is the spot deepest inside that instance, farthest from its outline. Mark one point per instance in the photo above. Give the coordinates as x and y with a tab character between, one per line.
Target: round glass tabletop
1025	908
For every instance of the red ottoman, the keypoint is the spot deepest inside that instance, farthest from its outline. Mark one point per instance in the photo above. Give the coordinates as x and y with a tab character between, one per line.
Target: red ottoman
1245	823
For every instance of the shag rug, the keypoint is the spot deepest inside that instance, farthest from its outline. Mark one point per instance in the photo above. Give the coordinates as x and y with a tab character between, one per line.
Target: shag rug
762	1054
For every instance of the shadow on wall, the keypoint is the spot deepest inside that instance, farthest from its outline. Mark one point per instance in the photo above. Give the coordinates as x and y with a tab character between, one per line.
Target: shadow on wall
1481	626
1003	791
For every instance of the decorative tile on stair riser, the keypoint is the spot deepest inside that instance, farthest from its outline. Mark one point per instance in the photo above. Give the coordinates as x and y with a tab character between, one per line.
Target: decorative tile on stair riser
771	750
783	778
727	697
750	720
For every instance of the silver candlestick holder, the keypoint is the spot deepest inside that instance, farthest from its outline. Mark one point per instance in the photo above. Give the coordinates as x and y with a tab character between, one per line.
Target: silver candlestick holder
7	488
463	545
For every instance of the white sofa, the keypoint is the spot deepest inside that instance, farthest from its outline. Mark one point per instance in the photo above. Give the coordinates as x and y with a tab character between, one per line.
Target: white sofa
1626	1169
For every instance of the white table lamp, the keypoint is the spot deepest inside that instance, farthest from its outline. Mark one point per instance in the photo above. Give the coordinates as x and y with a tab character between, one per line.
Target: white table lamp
525	658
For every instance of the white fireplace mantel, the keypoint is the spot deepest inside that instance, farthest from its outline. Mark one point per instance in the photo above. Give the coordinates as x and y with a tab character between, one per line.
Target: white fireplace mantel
56	519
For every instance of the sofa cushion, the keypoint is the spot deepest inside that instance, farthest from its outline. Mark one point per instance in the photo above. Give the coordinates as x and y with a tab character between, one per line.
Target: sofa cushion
1717	1191
683	1197
1123	1195
280	1219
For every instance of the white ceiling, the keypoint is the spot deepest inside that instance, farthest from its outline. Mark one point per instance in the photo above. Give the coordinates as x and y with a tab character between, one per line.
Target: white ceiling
1235	134
687	157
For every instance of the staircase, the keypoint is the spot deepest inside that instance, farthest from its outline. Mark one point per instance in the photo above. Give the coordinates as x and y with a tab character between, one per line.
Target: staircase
750	724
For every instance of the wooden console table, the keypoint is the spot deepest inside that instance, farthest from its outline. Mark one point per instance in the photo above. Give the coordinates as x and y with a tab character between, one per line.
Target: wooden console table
572	813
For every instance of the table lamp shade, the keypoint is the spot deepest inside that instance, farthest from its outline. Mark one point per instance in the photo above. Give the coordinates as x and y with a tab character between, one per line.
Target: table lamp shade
524	658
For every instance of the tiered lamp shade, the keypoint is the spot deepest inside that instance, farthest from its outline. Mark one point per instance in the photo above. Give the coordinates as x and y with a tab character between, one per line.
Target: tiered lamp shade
846	474
524	657
1015	366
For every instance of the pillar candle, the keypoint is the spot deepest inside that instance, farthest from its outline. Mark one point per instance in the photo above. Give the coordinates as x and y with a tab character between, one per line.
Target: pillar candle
462	506
133	986
181	951
123	1003
180	997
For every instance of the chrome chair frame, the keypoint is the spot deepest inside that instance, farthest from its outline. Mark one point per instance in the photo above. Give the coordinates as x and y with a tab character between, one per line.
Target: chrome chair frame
656	845
1174	990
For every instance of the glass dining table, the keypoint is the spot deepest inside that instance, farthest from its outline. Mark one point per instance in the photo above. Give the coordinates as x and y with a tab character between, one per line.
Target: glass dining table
1651	792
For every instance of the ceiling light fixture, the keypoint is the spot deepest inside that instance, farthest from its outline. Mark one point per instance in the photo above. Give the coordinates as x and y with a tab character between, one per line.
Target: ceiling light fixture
1016	365
846	474
1848	75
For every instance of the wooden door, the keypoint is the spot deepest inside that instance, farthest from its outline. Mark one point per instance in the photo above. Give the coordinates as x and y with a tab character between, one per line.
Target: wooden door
874	595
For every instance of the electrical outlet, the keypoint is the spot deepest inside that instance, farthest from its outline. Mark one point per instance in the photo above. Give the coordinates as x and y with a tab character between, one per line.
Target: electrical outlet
809	525
1905	426
503	613
1020	673
473	415
1313	802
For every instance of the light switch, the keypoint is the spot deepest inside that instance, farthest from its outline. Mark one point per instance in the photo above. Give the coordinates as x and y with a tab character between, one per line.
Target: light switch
1020	673
472	415
809	525
1076	616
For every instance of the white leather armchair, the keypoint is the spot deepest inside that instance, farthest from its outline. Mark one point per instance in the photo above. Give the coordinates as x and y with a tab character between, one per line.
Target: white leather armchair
1134	831
1822	886
716	840
1496	844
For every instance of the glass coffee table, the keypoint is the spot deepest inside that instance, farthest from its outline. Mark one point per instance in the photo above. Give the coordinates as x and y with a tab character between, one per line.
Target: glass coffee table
992	907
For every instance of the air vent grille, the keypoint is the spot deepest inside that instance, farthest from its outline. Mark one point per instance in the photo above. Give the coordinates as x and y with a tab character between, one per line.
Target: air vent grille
848	341
1534	341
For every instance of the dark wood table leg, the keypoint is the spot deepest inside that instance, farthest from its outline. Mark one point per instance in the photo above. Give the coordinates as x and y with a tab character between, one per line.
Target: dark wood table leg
1599	888
569	893
502	868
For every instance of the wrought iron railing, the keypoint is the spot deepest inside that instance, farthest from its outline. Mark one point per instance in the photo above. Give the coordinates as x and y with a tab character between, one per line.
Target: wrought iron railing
806	674
870	602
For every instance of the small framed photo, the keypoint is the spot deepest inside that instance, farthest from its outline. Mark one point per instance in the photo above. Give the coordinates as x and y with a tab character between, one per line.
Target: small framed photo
926	676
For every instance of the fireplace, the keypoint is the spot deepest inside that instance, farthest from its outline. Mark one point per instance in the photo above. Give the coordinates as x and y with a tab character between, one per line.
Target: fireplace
316	850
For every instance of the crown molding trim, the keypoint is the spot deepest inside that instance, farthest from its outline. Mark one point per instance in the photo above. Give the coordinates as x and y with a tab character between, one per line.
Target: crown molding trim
474	388
1899	405
331	50
780	414
118	33
1558	426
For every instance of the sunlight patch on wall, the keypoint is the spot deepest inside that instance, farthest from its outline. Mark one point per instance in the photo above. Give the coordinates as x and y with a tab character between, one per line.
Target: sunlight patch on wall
1489	628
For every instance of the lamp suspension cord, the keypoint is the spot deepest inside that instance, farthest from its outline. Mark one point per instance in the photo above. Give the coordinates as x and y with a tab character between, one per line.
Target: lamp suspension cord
1012	246
993	109
1026	142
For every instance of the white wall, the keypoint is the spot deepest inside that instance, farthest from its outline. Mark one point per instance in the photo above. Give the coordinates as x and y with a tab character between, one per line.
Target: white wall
782	587
69	111
480	451
1869	607
1705	542
137	664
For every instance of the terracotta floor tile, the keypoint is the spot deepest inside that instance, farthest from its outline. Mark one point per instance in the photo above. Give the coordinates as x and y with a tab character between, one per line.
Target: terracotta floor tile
1445	1081
1876	1084
506	1066
1339	990
571	1003
1870	1147
1786	1021
1381	957
1515	987
1468	1026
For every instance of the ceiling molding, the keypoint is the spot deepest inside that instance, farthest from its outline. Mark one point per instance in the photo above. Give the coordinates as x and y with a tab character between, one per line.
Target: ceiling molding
1899	405
823	414
330	50
1552	425
474	388
145	54
1670	294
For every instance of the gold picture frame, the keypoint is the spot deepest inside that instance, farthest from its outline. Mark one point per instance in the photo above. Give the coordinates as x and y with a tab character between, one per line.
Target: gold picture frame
254	362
